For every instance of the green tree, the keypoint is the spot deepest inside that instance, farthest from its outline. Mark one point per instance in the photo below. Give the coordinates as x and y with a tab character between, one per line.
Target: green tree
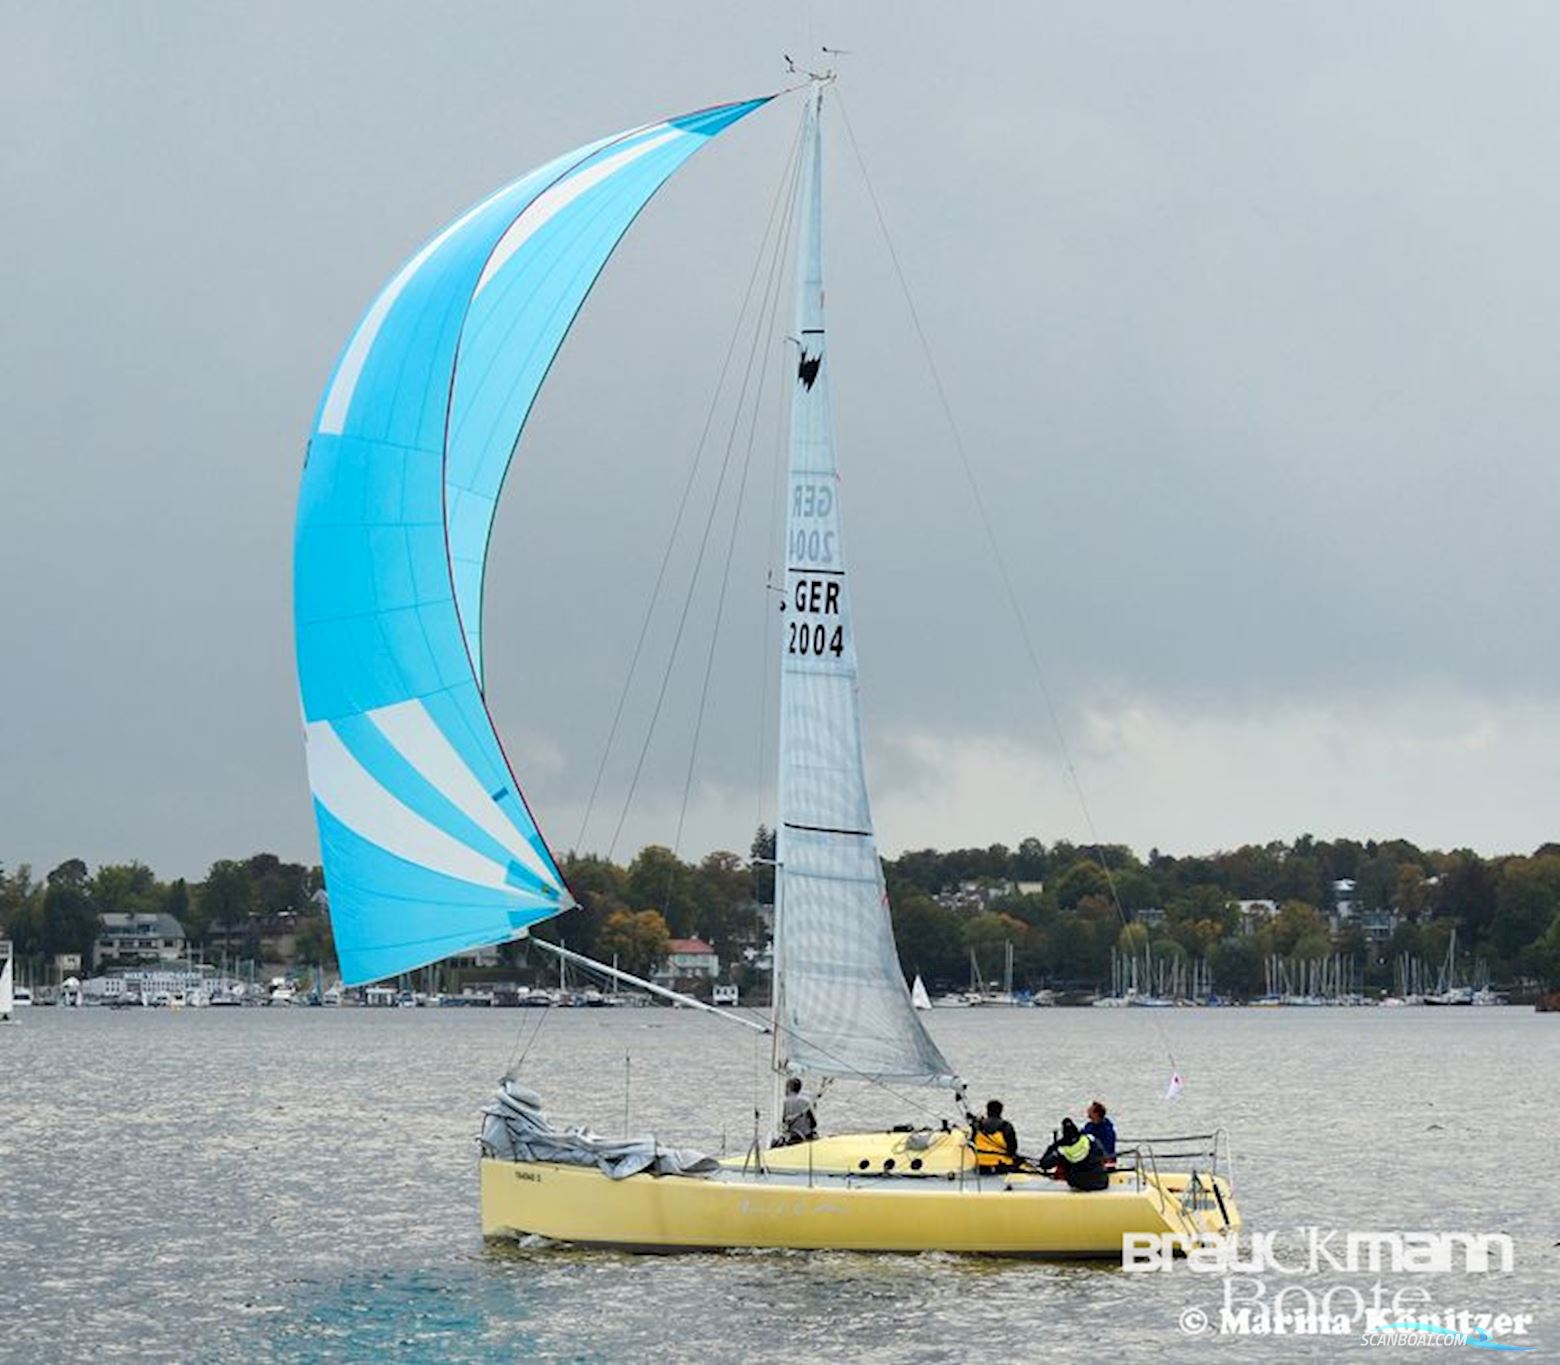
69	920
929	936
125	888
1526	900
279	887
72	872
314	943
1467	894
227	897
1200	916
1083	878
762	854
176	901
1411	895
1543	958
1083	942
1236	964
1133	939
16	893
1030	862
987	936
638	941
1299	879
1297	923
659	879
1136	889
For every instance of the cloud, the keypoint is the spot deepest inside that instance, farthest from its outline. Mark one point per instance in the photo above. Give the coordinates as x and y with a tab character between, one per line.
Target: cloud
1246	318
1443	771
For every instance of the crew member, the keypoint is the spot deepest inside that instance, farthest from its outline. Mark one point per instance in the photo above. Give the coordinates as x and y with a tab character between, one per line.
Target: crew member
1076	1158
995	1142
798	1123
1102	1129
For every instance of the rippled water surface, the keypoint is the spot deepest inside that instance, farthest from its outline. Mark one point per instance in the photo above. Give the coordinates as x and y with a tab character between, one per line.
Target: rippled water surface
301	1184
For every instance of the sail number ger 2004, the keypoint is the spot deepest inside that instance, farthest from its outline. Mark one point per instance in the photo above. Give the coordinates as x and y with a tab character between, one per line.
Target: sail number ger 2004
814	597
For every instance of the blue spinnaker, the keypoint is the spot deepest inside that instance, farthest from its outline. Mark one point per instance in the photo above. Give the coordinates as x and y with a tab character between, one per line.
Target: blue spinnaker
429	848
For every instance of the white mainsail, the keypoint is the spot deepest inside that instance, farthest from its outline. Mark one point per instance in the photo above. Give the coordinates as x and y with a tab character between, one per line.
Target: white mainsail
7	1001
918	996
841	1006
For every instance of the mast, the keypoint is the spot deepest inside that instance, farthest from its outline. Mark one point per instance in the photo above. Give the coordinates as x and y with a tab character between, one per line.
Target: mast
840	1003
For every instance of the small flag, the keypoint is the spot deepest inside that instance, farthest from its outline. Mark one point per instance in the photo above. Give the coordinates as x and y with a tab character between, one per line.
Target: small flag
1175	1087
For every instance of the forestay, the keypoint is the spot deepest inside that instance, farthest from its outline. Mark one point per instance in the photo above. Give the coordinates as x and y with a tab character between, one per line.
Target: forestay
428	846
842	1008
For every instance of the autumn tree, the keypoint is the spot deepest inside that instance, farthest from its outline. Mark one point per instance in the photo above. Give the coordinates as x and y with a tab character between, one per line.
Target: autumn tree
637	941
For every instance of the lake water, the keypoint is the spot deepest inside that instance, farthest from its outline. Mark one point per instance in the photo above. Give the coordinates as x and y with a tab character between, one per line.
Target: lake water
299	1184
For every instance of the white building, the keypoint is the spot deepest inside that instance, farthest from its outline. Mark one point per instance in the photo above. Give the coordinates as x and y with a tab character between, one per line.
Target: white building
149	983
687	957
477	957
127	937
1254	914
1345	905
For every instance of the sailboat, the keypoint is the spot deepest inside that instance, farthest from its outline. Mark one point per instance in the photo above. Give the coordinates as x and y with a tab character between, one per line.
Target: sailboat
7	991
430	848
1448	992
918	996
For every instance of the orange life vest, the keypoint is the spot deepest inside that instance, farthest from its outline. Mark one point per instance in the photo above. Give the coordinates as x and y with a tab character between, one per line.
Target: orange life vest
991	1152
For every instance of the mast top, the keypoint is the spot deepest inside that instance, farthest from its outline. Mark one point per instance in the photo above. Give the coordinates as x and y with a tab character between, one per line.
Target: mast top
818	79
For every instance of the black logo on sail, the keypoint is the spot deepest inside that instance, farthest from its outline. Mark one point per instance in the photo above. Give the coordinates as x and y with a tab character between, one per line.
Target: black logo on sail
808	370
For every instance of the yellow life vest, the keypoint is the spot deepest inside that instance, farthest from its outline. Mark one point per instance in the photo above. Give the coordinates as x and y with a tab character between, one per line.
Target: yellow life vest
991	1151
1076	1151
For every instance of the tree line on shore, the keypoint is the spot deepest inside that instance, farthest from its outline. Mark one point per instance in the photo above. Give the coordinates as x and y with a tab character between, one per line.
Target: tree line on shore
1063	907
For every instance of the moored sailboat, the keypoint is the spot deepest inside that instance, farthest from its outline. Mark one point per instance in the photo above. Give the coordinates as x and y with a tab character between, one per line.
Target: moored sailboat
430	848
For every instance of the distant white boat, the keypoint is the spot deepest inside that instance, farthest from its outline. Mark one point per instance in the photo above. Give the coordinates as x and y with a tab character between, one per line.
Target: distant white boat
918	996
7	992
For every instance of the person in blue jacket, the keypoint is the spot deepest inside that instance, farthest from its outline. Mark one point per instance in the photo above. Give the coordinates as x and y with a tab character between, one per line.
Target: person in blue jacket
1102	1129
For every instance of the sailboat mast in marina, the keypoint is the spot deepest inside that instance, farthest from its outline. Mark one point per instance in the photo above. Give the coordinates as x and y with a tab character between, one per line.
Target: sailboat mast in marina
430	848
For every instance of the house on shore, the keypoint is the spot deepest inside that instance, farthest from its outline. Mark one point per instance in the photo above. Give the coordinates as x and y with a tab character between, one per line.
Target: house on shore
687	959
132	937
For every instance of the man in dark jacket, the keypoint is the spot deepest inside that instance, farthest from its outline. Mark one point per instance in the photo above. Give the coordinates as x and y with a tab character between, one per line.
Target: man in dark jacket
1077	1158
994	1140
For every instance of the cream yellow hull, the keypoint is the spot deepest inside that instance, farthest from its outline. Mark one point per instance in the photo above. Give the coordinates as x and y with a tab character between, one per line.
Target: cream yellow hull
931	1210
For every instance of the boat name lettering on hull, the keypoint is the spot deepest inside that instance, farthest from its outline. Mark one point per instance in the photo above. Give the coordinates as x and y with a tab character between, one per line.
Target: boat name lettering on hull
528	1175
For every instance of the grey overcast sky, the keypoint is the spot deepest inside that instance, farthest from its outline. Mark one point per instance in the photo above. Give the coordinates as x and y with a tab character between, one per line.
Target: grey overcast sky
1246	313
